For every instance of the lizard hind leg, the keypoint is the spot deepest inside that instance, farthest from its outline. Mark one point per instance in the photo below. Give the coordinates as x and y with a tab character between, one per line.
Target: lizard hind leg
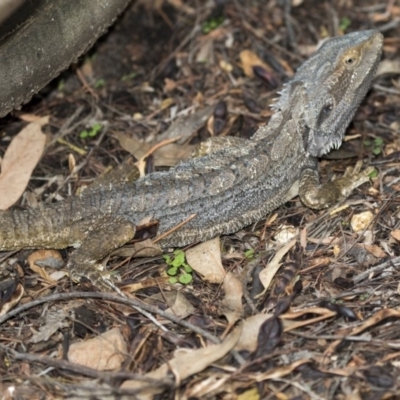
105	234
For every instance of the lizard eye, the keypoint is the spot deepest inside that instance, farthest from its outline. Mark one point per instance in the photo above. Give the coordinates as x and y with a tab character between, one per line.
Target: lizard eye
351	60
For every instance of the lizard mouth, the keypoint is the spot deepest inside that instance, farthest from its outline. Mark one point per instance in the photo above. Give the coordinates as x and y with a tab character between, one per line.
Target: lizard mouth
318	145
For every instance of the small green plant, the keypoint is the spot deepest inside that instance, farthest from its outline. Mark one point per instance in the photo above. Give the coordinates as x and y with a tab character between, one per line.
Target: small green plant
92	132
363	297
99	83
344	23
129	77
178	270
375	145
249	254
373	174
212	24
61	85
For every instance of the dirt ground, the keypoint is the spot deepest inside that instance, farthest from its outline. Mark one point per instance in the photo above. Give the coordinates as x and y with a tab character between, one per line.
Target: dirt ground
328	327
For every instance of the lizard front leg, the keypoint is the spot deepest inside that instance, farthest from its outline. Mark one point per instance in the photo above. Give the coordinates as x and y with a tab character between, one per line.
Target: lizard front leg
317	196
103	236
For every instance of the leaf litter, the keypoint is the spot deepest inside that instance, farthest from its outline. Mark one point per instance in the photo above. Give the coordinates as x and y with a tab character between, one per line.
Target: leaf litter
257	320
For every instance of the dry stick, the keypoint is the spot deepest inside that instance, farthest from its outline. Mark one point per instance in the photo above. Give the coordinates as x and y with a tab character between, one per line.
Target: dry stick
378	268
136	304
85	84
140	164
80	369
109	297
189	218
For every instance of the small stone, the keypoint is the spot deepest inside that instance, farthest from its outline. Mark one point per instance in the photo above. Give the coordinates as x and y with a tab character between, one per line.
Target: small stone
360	222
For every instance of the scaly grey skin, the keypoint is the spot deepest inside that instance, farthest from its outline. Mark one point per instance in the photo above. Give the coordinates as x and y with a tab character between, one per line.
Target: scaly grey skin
236	183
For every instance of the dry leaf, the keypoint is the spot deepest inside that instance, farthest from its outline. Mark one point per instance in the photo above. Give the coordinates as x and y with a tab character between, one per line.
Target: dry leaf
371	321
289	323
165	156
186	363
231	305
149	282
249	61
205	53
395	234
104	353
13	301
374	250
205	388
55	320
388	67
20	159
251	394
45	258
249	336
177	304
268	273
205	259
279	372
180	307
185	126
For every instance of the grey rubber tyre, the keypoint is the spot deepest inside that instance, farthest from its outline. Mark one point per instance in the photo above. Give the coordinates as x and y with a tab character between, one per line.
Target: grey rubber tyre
42	38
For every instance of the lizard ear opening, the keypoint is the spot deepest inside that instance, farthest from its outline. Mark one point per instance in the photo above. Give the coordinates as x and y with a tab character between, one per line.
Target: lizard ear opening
325	112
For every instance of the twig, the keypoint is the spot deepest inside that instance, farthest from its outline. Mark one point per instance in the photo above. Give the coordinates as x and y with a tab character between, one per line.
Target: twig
174	228
136	304
109	297
379	268
80	369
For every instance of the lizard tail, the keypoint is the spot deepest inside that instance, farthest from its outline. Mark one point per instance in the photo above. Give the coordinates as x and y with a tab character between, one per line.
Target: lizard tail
28	229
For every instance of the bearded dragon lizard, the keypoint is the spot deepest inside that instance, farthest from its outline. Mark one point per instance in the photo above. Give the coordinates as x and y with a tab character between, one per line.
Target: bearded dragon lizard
235	183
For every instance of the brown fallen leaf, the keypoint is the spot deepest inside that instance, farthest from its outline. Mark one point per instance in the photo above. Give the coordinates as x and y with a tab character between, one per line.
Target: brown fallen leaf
278	372
289	322
19	161
54	320
178	304
249	61
104	353
205	259
371	321
40	259
231	305
184	127
161	281
395	234
267	274
186	363
13	301
388	67
251	327
374	250
165	156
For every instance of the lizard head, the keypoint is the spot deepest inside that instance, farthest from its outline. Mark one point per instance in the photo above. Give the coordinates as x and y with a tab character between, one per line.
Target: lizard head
336	79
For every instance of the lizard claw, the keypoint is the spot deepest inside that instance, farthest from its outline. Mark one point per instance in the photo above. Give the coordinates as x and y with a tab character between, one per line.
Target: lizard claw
353	178
101	280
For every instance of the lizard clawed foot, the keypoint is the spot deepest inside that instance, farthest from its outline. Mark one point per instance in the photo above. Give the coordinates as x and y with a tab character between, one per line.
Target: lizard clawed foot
97	277
353	178
317	196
